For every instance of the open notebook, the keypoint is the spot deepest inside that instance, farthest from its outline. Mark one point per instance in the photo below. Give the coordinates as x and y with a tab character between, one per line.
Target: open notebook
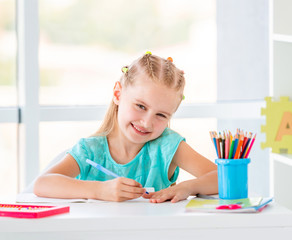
254	204
32	198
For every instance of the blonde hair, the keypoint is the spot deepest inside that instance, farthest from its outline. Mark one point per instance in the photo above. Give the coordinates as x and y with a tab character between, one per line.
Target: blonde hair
158	69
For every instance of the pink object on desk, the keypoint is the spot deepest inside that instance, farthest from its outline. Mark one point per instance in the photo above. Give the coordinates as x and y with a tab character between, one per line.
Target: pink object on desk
230	206
31	211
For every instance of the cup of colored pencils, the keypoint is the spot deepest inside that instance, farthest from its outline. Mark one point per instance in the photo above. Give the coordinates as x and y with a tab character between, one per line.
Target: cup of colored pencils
232	152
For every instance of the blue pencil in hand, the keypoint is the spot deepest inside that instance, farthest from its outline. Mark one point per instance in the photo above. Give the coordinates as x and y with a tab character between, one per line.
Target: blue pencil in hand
104	170
101	168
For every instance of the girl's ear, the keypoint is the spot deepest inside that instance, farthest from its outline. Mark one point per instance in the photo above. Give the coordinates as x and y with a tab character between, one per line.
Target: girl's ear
117	93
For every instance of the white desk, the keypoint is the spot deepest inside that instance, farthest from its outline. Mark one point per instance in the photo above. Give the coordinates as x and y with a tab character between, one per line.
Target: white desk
143	220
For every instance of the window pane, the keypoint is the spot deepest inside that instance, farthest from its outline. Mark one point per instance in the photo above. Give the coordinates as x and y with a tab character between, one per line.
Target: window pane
66	135
196	132
8	159
84	45
7	53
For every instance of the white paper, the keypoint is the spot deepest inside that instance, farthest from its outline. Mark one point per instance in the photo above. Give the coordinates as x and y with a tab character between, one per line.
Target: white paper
32	198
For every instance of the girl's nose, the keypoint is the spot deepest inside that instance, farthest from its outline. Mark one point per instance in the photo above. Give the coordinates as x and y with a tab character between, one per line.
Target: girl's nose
147	121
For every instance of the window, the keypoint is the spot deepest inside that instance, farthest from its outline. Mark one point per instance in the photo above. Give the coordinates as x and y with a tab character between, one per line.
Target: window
65	135
84	44
82	47
7	53
8	99
8	160
196	133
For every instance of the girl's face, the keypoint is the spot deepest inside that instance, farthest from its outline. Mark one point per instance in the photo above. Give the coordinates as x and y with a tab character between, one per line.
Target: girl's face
145	109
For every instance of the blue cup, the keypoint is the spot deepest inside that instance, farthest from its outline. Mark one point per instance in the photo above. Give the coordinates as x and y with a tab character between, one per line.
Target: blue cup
232	178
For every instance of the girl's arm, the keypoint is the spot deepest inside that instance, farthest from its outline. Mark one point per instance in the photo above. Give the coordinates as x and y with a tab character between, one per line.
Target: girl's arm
203	169
59	182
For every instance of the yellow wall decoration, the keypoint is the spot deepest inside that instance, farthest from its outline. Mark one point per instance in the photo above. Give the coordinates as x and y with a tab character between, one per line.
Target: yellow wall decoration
278	126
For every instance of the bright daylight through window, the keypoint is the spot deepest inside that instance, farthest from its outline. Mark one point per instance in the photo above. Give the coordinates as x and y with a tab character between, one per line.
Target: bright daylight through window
82	47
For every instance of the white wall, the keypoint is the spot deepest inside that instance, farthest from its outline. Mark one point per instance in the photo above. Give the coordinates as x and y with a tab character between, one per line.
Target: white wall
243	73
243	49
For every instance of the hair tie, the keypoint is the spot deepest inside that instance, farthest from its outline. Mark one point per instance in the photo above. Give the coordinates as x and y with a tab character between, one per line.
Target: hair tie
148	52
170	59
125	69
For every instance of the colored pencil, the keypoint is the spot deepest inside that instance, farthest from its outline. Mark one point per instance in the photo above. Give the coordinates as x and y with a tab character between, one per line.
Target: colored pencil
251	144
221	145
246	145
214	141
218	147
237	153
235	146
227	146
231	150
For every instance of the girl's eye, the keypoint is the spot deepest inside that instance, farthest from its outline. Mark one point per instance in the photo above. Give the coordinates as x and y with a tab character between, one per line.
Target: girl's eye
141	106
161	115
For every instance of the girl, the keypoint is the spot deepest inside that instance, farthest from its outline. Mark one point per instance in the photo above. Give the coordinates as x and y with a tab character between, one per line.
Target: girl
135	143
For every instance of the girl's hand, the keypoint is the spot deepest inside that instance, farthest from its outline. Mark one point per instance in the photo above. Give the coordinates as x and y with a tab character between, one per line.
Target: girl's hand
121	189
174	194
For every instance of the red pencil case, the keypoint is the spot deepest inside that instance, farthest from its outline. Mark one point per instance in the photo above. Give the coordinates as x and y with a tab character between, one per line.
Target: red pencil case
31	211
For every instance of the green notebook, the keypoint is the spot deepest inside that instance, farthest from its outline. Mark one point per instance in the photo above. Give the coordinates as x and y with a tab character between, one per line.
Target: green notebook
210	205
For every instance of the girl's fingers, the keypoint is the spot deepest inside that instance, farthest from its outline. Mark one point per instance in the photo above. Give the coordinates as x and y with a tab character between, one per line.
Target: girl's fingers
130	189
130	182
130	195
175	199
148	196
162	197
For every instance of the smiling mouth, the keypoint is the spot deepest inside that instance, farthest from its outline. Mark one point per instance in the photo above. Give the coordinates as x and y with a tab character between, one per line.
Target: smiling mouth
138	130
